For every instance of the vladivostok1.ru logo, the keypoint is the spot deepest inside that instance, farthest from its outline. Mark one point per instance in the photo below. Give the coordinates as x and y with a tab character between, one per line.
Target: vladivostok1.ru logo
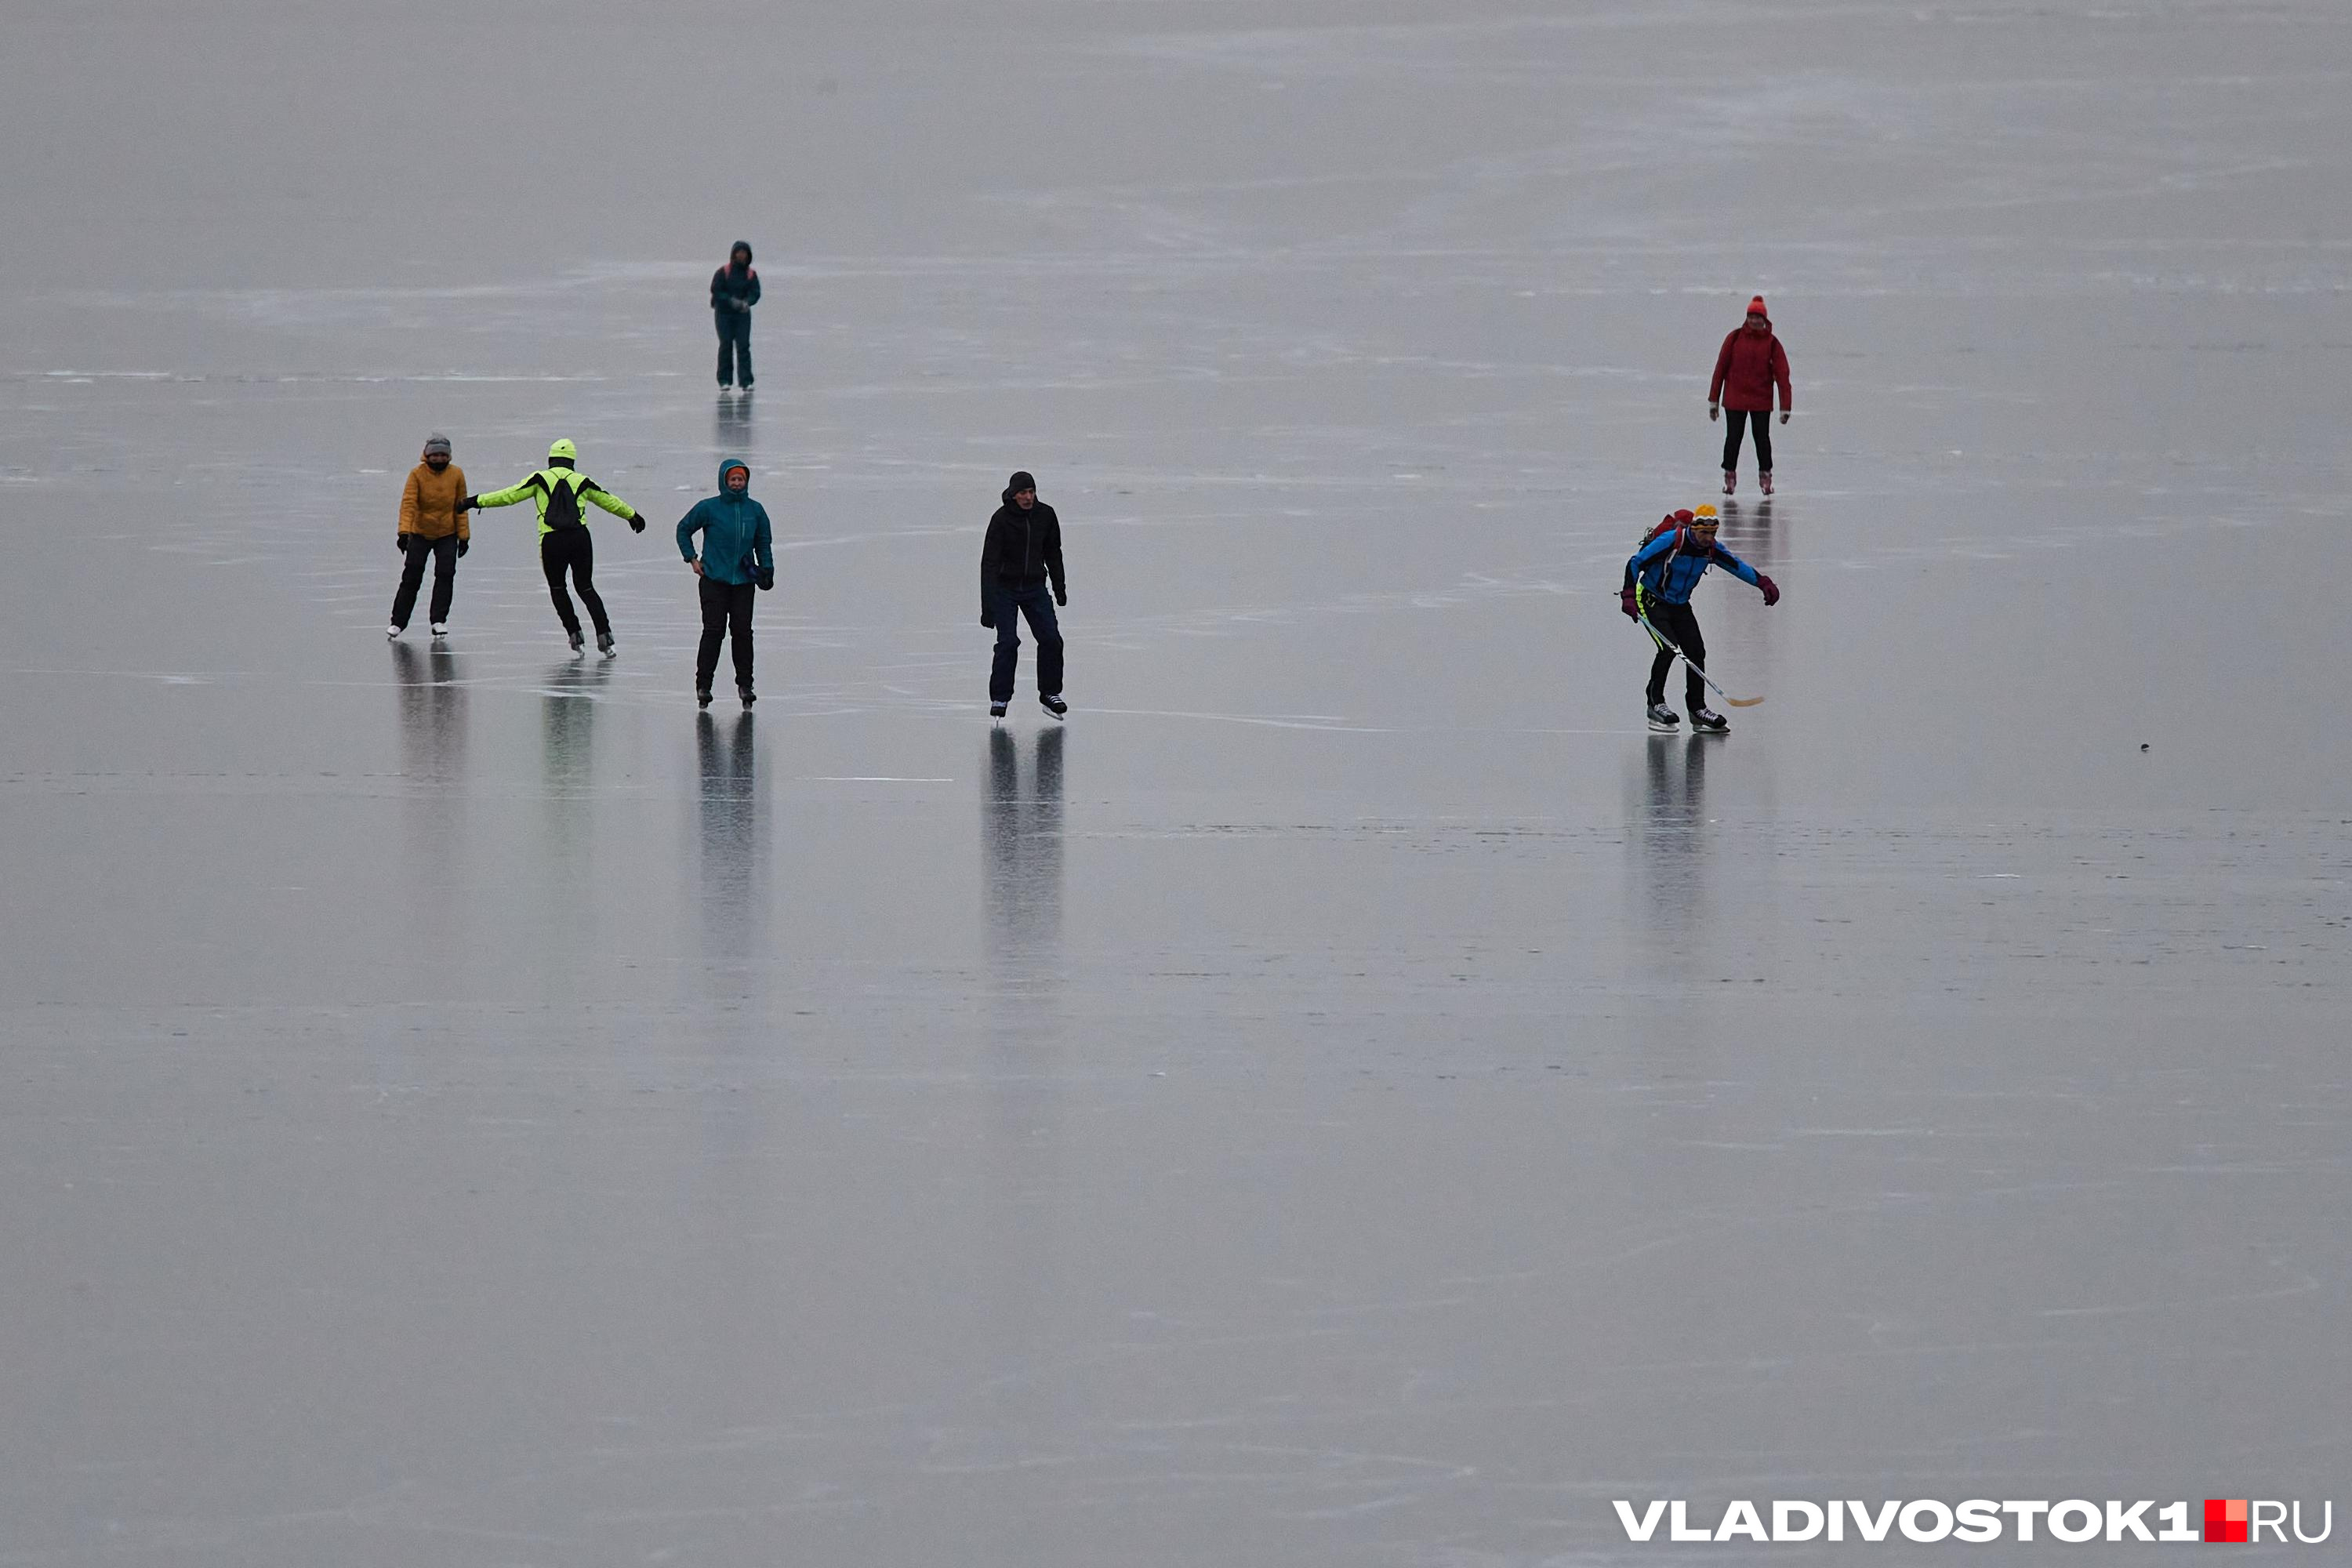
1927	1521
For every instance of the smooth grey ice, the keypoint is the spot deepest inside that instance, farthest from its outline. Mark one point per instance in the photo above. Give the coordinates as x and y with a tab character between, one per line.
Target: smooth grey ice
1350	1096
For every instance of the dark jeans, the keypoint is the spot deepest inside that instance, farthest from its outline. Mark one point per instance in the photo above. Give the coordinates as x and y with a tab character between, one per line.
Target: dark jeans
1033	600
1679	626
734	345
726	612
571	549
442	553
1735	420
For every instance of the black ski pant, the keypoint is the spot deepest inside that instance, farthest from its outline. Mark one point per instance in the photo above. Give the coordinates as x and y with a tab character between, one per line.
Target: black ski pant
725	613
734	346
442	553
1734	421
571	549
1007	603
1678	625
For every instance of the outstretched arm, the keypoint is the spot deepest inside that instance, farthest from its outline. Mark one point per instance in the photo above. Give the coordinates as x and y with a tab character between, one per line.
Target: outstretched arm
611	503
1746	574
506	497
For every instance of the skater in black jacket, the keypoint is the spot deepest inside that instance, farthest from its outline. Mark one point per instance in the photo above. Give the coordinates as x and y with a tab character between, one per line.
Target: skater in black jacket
1021	553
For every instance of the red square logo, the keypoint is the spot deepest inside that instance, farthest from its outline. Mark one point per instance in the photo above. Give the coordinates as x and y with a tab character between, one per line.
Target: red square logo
2225	1519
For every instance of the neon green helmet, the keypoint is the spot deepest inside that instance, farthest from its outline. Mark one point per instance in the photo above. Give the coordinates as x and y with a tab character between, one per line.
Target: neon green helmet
562	449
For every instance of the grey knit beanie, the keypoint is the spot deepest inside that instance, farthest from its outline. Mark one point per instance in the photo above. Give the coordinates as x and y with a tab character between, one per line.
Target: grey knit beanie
436	442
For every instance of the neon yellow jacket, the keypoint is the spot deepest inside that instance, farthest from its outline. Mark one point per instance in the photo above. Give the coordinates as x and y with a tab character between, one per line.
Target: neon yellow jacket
557	492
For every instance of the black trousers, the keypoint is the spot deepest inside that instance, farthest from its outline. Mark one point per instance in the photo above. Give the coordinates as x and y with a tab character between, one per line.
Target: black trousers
1679	626
443	552
1007	603
571	549
1735	420
734	345
725	613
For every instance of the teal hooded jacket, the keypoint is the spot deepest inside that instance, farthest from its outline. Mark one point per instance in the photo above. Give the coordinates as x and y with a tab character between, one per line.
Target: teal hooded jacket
736	544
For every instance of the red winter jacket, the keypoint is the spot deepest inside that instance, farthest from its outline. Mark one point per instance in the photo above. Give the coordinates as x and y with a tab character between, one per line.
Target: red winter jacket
1747	369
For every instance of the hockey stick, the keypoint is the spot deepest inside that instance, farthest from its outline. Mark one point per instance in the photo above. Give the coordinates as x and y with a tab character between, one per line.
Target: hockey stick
1728	699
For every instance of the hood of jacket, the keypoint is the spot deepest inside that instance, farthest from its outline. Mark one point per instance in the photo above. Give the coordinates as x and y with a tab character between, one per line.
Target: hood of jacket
745	246
724	465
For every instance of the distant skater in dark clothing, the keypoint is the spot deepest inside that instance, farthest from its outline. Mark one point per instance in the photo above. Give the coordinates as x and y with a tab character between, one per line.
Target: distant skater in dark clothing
1750	365
734	289
1021	552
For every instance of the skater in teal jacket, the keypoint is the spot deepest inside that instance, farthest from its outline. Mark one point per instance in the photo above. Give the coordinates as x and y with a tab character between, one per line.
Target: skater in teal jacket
738	554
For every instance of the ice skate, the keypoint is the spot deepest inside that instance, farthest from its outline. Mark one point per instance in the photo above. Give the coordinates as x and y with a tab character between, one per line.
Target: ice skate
702	696
1055	705
605	644
1707	721
1663	720
1765	480
440	629
996	709
1730	481
578	642
749	697
392	634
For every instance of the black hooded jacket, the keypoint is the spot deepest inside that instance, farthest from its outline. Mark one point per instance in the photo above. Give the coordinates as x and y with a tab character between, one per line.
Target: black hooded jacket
1022	549
733	292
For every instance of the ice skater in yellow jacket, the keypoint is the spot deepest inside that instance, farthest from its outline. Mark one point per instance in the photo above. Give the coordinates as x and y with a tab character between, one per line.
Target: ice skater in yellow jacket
432	527
557	490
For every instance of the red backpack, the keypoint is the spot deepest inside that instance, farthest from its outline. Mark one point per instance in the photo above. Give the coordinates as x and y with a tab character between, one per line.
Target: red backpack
1674	521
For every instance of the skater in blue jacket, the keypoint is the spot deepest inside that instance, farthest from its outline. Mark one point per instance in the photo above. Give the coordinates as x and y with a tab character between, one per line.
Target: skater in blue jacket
737	553
1658	584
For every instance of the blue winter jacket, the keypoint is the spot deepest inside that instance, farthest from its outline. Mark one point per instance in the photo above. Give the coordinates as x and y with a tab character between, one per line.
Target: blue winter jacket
736	544
1670	566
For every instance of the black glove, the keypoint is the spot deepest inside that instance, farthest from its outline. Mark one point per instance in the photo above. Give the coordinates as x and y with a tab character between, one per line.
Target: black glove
1062	600
464	545
469	503
767	581
987	617
637	523
400	542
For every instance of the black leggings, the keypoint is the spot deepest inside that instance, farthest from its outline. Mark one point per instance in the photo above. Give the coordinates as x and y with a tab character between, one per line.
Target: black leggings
571	549
1679	626
443	551
725	613
1735	419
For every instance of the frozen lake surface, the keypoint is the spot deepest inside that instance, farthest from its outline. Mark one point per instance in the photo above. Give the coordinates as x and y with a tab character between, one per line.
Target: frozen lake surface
1351	1096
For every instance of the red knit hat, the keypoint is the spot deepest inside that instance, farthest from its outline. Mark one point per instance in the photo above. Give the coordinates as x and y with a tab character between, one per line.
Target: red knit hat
1755	306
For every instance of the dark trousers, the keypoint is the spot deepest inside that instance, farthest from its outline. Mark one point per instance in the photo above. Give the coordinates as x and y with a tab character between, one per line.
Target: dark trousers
1679	626
734	345
1007	603
725	613
443	552
1735	420
571	549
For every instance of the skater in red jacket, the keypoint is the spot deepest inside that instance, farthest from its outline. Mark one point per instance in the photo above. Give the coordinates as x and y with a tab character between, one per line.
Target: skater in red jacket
1751	363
